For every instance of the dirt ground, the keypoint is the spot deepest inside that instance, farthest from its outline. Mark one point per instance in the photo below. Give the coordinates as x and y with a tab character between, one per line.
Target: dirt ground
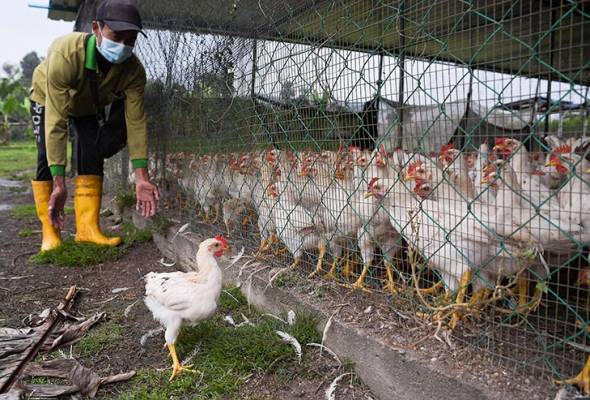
27	288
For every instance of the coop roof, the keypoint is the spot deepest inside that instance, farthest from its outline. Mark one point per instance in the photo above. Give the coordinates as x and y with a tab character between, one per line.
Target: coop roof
541	38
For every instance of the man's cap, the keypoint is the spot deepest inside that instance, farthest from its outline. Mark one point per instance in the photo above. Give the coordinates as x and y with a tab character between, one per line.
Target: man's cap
119	15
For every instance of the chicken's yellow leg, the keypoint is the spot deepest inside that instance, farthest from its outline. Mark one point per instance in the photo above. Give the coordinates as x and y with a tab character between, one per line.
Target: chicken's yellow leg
479	297
296	263
582	380
176	367
216	208
465	279
433	289
360	282
318	267
390	286
332	272
348	265
264	246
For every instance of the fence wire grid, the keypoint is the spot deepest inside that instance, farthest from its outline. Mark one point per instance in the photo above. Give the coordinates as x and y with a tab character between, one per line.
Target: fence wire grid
435	150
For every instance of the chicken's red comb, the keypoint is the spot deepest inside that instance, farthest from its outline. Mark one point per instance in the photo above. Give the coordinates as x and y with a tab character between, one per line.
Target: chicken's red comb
446	148
499	140
413	165
563	149
372	182
221	239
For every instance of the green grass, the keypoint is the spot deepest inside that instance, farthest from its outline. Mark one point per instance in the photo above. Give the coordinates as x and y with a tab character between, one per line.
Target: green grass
125	200
104	337
22	211
26	232
72	254
227	356
18	160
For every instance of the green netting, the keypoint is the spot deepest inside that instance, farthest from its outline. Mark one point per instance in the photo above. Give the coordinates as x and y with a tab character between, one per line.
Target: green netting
415	143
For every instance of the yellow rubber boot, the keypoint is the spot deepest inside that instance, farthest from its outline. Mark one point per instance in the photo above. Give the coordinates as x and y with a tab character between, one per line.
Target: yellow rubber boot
87	199
51	236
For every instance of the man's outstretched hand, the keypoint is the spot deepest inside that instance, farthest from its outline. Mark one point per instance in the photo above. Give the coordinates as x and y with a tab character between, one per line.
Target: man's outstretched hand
147	194
57	202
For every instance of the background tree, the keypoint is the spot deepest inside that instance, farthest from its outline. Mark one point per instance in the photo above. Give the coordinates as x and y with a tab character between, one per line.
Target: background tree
27	66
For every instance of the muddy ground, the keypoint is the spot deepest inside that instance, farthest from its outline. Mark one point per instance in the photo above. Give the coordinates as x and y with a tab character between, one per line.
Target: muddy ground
27	288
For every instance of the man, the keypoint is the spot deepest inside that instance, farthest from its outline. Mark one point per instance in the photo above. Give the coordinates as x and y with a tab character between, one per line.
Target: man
81	75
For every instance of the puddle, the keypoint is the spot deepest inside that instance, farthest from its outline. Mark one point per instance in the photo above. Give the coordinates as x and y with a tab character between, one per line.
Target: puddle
6	207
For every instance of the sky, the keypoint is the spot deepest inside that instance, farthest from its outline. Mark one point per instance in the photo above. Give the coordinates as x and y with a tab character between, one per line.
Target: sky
24	29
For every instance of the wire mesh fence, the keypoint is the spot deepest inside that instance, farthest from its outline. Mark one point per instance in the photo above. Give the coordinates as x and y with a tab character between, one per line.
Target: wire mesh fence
431	150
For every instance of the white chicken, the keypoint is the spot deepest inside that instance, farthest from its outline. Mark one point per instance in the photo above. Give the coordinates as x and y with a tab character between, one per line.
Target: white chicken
177	298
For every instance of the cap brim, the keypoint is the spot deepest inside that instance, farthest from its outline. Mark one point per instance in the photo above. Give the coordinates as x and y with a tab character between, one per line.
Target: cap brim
118	26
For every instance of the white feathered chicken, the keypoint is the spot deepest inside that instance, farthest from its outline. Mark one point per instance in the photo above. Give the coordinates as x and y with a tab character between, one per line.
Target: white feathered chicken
177	298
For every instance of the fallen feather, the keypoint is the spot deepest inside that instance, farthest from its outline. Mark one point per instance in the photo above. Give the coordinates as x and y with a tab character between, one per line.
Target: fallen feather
119	290
128	309
229	320
149	334
275	317
325	332
172	264
321	346
331	391
292	341
181	229
246	321
235	259
291	317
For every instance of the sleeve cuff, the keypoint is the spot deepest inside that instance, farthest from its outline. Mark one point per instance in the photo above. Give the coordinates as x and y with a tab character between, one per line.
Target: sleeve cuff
57	170
139	163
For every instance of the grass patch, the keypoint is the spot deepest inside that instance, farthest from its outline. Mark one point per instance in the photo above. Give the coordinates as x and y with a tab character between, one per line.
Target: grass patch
227	356
26	232
23	211
72	254
161	224
125	200
18	160
104	337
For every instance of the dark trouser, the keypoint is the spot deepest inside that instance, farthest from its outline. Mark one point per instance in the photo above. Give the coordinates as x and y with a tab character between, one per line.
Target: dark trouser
88	151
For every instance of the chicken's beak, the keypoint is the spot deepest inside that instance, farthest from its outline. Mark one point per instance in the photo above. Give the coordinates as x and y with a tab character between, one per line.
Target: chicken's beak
408	178
368	194
551	163
588	171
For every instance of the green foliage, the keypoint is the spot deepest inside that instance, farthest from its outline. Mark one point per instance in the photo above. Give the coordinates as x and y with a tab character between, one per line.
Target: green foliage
22	211
125	200
227	356
18	159
104	337
25	232
14	104
72	254
572	126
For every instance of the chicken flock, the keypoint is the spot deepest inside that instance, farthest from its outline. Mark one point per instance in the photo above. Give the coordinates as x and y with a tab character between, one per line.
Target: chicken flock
477	219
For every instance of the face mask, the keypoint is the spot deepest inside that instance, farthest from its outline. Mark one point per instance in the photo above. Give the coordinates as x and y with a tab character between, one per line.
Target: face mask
114	52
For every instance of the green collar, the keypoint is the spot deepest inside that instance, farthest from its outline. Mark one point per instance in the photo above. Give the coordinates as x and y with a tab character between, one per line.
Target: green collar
90	62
